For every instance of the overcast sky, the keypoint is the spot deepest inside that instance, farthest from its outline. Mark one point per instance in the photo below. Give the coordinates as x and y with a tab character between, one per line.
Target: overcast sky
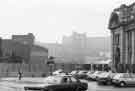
49	20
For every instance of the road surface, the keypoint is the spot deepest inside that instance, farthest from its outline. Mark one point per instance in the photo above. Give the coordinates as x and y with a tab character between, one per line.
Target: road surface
8	85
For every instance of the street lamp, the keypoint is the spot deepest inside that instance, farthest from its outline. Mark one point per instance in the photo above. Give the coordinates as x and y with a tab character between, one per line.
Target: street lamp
51	63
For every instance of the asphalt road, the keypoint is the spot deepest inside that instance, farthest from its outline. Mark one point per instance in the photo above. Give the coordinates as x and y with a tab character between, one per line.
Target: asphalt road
93	86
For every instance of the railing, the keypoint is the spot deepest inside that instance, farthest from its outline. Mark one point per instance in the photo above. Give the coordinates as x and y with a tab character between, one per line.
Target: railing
24	74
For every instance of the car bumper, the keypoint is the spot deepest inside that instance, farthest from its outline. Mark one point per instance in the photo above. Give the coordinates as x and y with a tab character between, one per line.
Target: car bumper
115	82
33	88
102	80
88	78
81	76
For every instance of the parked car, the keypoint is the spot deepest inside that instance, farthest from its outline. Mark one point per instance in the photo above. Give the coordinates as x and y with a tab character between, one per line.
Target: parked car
82	74
59	83
74	72
58	72
106	78
124	79
95	75
89	75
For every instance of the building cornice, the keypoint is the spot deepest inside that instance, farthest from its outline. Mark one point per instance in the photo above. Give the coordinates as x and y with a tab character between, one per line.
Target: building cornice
123	16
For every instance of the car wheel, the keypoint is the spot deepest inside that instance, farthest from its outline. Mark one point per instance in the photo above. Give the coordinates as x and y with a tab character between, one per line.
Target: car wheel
122	84
50	90
78	89
108	82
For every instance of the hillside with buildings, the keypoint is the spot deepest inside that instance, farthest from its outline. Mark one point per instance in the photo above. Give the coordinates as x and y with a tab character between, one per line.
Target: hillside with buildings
78	46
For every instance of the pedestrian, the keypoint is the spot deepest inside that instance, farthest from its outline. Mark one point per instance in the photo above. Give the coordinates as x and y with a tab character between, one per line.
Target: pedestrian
19	75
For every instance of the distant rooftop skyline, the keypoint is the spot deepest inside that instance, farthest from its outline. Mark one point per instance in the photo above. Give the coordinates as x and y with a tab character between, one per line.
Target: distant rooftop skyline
50	20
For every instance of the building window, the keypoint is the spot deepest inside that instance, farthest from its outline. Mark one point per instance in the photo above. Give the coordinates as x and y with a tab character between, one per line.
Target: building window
117	39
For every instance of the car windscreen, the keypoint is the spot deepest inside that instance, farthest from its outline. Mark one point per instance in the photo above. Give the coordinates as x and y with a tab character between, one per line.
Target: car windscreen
52	79
82	72
90	72
73	72
103	74
96	72
106	75
99	72
117	76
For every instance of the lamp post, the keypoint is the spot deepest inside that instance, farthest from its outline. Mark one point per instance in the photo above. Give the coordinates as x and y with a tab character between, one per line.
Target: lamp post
50	63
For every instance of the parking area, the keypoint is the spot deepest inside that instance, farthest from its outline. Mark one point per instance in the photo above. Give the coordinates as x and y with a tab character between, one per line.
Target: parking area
93	86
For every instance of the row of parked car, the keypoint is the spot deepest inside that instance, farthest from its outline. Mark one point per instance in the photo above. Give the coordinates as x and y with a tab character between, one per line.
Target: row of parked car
106	78
58	81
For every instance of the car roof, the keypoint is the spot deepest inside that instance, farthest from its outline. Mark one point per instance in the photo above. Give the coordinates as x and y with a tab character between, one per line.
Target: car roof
63	75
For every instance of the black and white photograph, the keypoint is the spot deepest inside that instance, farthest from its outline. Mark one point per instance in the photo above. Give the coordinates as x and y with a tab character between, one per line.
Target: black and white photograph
67	45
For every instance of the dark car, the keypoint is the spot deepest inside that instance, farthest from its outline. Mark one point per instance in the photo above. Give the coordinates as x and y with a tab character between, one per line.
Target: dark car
59	83
106	78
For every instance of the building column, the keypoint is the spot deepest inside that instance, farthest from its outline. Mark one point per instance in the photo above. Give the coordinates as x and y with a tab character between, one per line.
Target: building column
122	49
133	50
126	50
112	51
113	39
91	67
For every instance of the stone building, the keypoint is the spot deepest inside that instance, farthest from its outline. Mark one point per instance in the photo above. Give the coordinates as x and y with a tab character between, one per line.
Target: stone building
122	26
24	39
0	47
10	48
33	57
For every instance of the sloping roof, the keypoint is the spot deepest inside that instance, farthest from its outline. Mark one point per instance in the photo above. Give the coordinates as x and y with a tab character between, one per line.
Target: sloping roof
38	47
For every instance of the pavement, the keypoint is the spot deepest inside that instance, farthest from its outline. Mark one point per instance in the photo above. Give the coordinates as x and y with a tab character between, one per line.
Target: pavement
13	84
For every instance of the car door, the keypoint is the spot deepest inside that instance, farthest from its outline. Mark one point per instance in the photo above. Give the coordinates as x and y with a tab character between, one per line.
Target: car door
61	84
128	79
75	84
65	84
132	79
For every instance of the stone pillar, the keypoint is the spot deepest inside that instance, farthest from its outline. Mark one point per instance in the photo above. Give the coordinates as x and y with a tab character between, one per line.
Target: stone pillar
126	50
91	67
133	50
133	47
112	51
122	48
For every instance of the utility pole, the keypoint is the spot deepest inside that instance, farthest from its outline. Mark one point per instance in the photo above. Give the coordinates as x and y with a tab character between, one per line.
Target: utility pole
51	63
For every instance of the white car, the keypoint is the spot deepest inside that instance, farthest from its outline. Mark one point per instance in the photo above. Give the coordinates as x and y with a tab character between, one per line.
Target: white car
89	74
95	75
82	72
124	79
73	72
58	72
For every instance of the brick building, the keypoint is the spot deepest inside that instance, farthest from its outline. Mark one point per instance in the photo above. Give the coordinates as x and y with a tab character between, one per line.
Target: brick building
33	57
10	47
122	26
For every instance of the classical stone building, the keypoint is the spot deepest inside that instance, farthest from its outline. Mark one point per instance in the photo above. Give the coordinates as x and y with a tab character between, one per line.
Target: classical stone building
122	26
